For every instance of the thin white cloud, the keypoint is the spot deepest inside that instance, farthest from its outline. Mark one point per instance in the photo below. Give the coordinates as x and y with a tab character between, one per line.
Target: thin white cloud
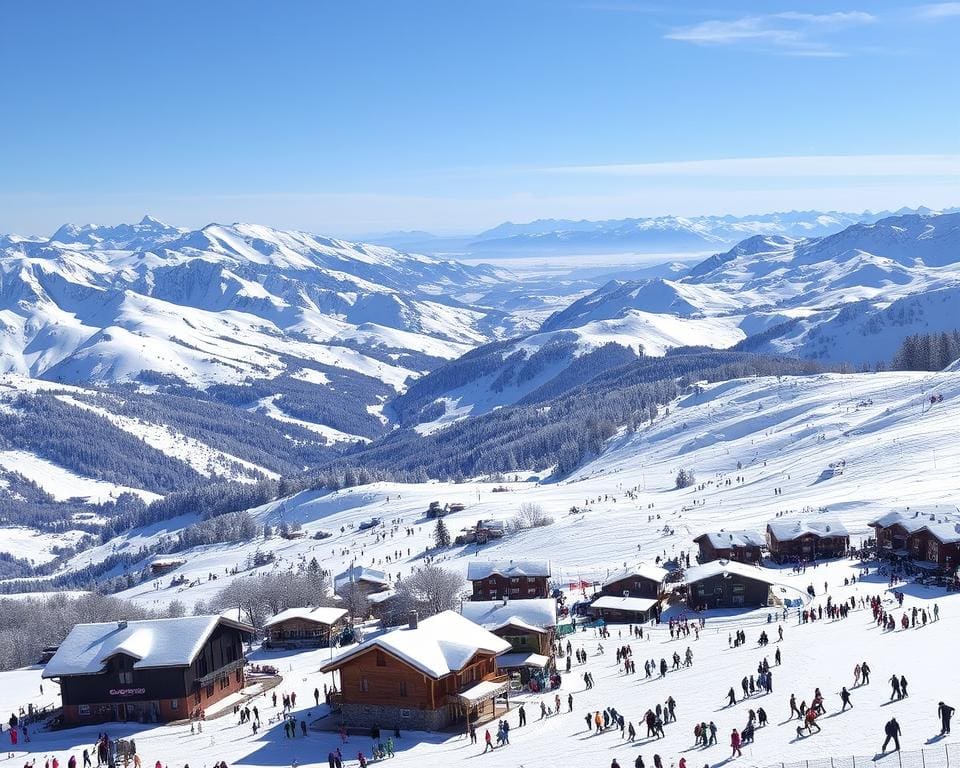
791	32
938	11
798	166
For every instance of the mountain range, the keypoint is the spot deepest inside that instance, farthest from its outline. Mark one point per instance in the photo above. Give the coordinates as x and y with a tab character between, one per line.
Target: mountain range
661	234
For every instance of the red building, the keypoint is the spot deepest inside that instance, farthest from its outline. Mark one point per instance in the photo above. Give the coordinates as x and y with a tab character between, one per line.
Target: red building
516	579
930	535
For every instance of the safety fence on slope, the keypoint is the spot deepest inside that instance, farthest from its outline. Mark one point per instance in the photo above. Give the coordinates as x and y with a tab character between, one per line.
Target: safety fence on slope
931	756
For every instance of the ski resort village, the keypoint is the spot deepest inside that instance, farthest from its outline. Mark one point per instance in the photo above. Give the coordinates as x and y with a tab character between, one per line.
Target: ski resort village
501	384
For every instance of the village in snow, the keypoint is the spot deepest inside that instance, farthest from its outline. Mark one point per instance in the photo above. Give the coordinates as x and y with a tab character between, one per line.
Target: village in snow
795	604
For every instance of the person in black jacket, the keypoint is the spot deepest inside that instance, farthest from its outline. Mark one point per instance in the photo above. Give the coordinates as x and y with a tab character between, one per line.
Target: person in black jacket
892	729
946	712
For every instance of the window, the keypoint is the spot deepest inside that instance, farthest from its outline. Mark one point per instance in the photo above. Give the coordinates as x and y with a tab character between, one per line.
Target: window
404	713
210	690
738	589
381	659
224	682
403	687
84	709
515	580
174	704
126	678
364	685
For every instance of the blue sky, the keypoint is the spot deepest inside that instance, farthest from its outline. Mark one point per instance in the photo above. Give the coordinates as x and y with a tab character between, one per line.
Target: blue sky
356	117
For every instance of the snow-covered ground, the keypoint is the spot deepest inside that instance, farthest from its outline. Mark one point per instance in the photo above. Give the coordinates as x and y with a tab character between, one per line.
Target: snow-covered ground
63	484
899	450
822	654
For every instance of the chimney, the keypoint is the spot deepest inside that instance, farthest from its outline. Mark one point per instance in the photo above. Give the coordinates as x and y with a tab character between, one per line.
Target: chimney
413	620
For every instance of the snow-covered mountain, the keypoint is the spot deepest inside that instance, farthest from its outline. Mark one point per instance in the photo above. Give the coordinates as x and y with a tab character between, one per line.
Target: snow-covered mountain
230	304
850	297
663	234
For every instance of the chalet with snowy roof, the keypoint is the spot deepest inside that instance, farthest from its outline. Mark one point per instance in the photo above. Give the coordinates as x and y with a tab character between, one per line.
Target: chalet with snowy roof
631	594
741	546
148	671
927	535
367	580
424	676
516	579
727	584
800	540
305	627
528	625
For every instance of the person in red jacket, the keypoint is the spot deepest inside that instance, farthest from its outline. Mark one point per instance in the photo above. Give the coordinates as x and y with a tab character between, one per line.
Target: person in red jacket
735	743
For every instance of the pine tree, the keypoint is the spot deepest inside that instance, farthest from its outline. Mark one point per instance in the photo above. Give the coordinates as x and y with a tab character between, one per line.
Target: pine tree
441	536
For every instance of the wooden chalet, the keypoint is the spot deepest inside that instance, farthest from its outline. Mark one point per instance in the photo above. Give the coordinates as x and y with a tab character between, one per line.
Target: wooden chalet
630	595
305	627
425	676
368	580
528	625
741	546
727	584
157	670
800	540
516	579
930	536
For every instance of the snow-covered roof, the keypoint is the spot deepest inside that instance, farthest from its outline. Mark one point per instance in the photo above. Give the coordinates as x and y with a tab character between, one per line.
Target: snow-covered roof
788	530
508	568
437	647
321	615
513	660
732	539
493	614
611	602
643	570
716	567
152	643
358	573
942	524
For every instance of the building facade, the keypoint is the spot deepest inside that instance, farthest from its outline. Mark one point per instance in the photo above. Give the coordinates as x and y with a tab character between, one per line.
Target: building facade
516	580
799	541
148	671
305	627
422	677
740	546
724	584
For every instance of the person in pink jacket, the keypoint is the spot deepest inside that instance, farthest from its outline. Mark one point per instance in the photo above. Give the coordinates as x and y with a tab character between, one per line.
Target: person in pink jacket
735	743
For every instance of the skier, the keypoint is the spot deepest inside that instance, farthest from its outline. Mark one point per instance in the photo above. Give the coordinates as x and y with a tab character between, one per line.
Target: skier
946	712
865	671
732	697
794	710
895	688
892	729
903	687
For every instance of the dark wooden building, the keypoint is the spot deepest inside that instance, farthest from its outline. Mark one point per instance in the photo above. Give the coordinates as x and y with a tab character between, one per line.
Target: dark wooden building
515	579
148	671
305	627
929	535
422	677
800	540
725	584
741	546
631	594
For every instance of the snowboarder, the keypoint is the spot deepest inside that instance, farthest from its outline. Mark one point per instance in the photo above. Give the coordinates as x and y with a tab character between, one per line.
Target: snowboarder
946	712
